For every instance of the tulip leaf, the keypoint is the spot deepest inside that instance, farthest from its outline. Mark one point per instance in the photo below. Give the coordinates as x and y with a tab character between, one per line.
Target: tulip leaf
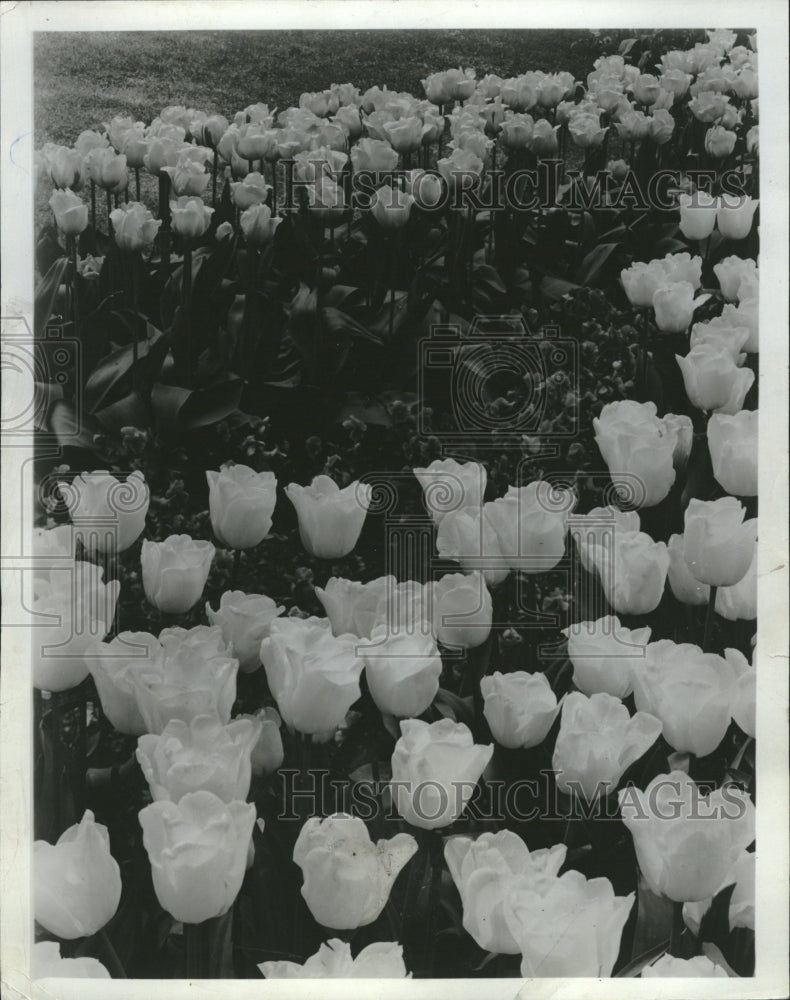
46	293
114	371
131	411
636	965
72	429
556	288
208	406
715	923
593	263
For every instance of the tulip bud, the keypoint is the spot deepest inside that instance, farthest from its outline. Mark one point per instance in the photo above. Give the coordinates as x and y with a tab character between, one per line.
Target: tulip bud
175	572
712	379
380	960
313	675
520	708
191	886
71	213
486	870
698	215
245	620
734	216
348	878
134	228
598	740
241	503
461	610
605	655
434	771
402	671
732	441
718	544
267	754
680	855
202	755
77	882
330	519
190	217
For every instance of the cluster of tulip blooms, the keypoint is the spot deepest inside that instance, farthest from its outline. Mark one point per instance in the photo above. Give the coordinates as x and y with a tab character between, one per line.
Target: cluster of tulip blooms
175	691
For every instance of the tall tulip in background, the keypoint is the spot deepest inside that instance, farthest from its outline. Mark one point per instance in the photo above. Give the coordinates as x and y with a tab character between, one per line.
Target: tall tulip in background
732	441
520	708
241	504
108	513
448	485
638	447
633	571
605	655
348	878
402	671
461	610
245	620
175	572
718	544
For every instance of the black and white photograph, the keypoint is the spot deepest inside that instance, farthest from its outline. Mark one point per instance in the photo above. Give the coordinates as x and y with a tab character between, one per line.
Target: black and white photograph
394	558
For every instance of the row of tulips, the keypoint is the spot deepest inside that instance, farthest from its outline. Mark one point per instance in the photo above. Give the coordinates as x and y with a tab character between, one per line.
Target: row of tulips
385	648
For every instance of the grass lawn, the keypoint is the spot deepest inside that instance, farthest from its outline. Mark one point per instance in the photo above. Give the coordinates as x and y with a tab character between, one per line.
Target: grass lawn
83	79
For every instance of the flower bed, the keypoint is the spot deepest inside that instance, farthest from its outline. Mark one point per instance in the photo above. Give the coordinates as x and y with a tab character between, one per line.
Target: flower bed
403	533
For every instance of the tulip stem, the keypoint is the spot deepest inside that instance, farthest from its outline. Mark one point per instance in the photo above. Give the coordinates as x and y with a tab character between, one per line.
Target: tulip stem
109	210
710	615
677	930
214	180
115	965
137	182
197	951
274	187
93	205
71	247
392	286
234	577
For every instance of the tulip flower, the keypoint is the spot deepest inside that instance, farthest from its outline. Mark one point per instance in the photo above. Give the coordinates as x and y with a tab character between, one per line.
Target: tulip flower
135	148
584	129
697	215
245	620
351	606
76	882
686	844
391	208
163	151
588	530
661	125
745	315
605	655
730	272
531	523
107	169
330	519
685	587
732	441
313	675
639	447
734	216
374	155
669	967
198	853
190	217
712	379
470	538
258	225
642	280
519	93
65	168
461	610
516	131
241	503
438	88
448	485
380	960
54	548
134	228
202	755
48	964
718	544
633	570
267	754
742	900
573	929
486	870
719	142
193	674
708	106
348	878
721	334
682	267
405	134
402	671
674	305
256	141
631	126
71	213
435	768
108	514
691	692
253	190
88	140
212	129
112	665
460	170
349	120
520	708
175	572
71	610
739	602
598	740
